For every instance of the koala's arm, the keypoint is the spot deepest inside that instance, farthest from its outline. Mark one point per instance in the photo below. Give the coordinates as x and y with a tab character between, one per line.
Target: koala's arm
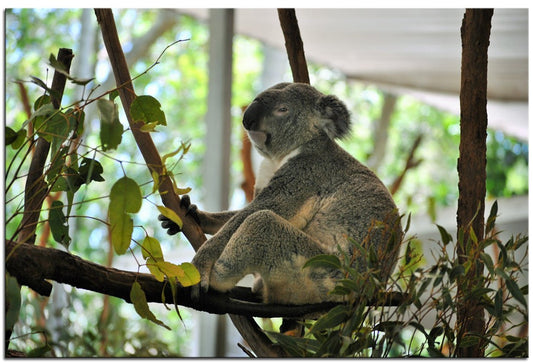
210	222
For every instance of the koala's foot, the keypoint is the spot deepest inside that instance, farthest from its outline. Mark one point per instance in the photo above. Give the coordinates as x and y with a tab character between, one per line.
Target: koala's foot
195	293
171	226
291	328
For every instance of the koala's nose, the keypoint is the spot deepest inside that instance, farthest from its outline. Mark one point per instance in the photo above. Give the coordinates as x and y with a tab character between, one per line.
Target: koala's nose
253	115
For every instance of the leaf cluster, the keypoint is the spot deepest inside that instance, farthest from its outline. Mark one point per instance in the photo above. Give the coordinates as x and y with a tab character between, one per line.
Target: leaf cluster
424	324
68	168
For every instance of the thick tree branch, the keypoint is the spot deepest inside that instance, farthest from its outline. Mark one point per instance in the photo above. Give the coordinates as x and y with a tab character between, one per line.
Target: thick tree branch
32	265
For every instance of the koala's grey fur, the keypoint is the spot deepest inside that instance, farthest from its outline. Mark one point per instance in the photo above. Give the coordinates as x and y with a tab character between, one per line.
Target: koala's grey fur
310	197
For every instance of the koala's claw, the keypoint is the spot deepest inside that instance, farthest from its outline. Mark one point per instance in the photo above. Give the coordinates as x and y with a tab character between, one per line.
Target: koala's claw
195	293
171	226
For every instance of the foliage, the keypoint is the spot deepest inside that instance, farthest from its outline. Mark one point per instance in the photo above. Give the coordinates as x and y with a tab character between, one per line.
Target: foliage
423	324
69	169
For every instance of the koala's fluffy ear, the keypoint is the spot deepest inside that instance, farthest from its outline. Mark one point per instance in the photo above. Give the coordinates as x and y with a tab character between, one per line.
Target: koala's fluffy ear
335	116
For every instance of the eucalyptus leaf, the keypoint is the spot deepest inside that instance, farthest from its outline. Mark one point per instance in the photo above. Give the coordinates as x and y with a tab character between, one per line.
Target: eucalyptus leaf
147	109
138	298
110	127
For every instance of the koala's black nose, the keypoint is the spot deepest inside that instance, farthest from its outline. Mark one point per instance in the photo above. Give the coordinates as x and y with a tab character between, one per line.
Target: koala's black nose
253	115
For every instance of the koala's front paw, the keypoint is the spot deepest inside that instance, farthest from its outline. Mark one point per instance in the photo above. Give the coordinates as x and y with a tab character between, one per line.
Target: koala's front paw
171	226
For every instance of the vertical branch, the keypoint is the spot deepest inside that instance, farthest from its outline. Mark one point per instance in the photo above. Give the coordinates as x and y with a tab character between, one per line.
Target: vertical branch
294	45
475	34
36	189
146	145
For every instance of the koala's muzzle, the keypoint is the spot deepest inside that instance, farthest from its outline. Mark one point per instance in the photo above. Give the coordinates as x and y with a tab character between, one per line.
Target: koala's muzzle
252	120
253	115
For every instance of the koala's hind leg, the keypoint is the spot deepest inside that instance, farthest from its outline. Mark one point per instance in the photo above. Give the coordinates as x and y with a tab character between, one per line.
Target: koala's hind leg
270	246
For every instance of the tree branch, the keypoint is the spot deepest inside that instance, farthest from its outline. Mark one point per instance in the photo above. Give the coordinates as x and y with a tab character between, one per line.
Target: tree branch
294	45
410	163
146	145
32	265
35	190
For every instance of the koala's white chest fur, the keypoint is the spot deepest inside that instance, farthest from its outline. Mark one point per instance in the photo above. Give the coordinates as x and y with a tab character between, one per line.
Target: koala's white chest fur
268	167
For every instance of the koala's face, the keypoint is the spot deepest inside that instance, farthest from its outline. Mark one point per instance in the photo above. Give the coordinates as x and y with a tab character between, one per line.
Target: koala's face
287	115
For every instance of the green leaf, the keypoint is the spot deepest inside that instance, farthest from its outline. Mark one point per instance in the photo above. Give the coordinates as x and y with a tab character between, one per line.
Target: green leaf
148	110
515	291
154	269
15	139
121	231
10	135
419	327
491	220
456	271
498	304
138	298
444	235
12	302
149	127
58	66
487	260
297	347
170	214
73	179
40	351
151	248
185	273
40	116
333	318
125	198
324	261
91	170
349	284
110	127
42	100
58	224
468	340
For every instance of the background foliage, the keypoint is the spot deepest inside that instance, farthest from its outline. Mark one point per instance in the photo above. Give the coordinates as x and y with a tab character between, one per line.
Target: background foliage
179	82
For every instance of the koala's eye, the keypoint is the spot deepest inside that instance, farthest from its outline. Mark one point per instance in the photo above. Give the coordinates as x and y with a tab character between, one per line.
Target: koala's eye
282	110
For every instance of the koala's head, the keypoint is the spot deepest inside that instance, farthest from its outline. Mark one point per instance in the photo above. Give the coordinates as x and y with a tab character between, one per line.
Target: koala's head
287	115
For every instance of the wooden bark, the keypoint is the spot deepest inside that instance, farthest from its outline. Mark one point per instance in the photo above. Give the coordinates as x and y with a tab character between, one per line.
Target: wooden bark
32	265
475	34
294	45
36	189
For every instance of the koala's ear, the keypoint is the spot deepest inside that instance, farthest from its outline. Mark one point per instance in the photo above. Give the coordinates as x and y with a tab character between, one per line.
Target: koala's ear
335	116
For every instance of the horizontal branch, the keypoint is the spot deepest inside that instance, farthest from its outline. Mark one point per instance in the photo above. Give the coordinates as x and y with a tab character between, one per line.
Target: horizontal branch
33	265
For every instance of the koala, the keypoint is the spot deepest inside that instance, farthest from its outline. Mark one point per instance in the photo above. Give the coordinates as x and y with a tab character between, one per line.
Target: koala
311	198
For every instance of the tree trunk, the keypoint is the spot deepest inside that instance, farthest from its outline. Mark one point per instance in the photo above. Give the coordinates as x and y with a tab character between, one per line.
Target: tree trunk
475	33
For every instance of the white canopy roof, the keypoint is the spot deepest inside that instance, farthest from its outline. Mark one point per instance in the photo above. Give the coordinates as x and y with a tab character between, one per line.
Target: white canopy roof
409	51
